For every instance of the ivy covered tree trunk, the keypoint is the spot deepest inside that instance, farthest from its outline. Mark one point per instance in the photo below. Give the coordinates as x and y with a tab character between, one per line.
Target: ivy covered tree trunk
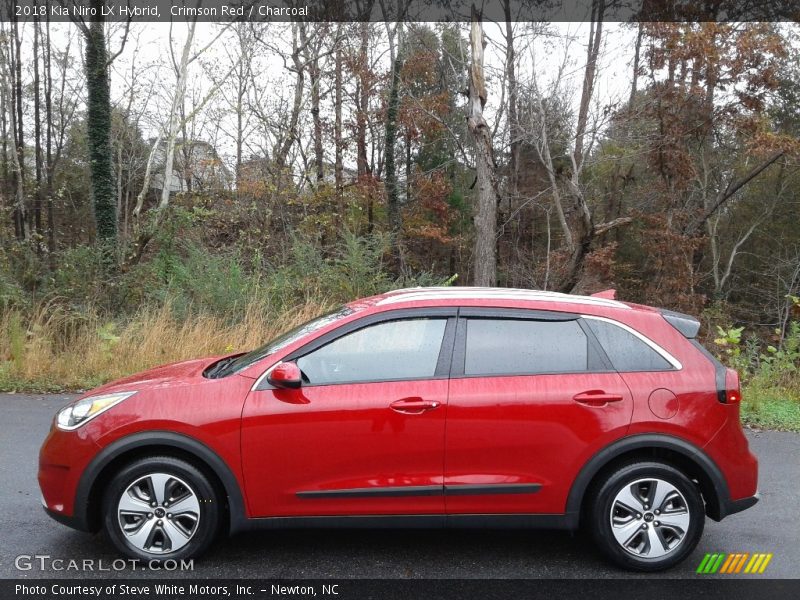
99	130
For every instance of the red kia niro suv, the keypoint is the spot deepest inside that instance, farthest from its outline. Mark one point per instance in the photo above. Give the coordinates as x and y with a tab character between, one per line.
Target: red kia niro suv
425	407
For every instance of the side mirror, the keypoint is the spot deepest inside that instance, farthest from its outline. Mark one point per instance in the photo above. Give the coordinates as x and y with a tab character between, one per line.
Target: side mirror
285	375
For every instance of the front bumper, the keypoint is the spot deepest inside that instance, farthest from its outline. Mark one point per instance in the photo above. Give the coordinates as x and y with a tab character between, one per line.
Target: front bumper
68	520
62	458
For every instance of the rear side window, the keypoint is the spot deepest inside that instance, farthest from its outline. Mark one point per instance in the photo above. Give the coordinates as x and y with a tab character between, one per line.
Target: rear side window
524	347
393	350
626	351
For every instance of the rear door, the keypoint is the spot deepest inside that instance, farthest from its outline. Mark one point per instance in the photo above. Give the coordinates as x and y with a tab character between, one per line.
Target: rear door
666	394
531	399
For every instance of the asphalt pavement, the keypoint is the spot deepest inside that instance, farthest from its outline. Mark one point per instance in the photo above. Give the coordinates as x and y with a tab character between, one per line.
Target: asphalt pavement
771	526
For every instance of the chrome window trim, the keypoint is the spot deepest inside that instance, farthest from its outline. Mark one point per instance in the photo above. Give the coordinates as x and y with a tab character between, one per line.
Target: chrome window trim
663	353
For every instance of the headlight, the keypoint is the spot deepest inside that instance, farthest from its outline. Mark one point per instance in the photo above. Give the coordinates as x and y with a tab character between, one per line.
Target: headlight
73	416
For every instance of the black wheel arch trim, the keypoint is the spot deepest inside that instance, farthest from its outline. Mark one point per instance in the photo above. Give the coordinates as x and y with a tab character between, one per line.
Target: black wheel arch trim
717	507
83	521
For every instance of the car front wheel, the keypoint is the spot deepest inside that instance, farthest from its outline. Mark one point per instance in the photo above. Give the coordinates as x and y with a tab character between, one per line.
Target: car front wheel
647	516
160	508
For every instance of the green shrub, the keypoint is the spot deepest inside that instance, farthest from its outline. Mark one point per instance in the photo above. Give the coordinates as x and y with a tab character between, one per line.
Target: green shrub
770	375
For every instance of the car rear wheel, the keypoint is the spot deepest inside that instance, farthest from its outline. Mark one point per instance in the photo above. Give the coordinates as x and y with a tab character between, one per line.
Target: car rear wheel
161	508
647	516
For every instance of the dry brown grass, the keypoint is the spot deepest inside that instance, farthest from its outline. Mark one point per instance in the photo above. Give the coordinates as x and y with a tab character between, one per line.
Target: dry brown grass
52	349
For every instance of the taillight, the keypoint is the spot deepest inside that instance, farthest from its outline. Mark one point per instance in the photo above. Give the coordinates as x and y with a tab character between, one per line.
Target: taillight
732	392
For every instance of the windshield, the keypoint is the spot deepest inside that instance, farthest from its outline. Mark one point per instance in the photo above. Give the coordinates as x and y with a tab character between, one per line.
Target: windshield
245	360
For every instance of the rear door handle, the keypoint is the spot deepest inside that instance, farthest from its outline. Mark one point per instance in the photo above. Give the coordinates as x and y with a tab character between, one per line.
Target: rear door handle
413	406
596	398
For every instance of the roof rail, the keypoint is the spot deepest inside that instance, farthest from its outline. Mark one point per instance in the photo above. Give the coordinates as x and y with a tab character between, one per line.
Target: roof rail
468	293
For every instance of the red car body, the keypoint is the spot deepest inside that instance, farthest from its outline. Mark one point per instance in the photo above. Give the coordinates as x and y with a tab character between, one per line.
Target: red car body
517	449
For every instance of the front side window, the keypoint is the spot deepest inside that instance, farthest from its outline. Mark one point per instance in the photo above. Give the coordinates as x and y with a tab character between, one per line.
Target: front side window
236	364
393	350
524	347
625	350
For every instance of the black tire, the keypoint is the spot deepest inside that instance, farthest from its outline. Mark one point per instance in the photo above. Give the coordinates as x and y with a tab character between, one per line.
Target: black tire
602	501
181	476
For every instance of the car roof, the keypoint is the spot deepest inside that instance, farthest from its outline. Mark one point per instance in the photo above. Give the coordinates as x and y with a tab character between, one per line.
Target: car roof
431	296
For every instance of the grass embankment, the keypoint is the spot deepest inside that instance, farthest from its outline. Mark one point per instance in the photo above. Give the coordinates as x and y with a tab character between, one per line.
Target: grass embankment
52	350
770	406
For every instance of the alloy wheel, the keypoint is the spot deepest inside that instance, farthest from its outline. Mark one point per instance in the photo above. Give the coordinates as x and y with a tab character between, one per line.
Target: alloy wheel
158	513
649	518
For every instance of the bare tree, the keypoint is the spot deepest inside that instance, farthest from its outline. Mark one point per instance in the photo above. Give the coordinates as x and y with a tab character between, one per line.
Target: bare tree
37	136
241	80
338	142
363	93
569	194
12	94
487	197
312	53
177	116
515	137
175	122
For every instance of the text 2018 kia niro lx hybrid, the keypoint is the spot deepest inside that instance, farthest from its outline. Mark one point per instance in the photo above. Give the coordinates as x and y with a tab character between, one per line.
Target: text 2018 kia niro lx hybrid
425	407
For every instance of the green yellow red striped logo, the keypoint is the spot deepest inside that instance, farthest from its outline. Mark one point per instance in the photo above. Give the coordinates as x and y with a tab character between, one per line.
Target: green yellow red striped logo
733	563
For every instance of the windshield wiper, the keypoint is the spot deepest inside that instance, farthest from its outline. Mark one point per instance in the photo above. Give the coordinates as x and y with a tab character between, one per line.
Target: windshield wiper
216	370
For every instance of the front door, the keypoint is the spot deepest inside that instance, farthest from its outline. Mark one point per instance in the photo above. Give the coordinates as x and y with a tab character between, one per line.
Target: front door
364	434
530	400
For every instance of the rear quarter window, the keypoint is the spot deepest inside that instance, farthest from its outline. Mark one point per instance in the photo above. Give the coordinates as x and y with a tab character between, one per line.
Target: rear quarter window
626	351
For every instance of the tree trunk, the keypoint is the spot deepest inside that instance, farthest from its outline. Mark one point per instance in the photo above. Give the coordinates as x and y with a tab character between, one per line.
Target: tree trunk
363	101
3	108
37	136
15	73
243	76
99	128
392	106
148	173
175	120
485	259
583	233
282	152
337	120
595	36
186	148
636	58
515	139
240	92
48	108
319	155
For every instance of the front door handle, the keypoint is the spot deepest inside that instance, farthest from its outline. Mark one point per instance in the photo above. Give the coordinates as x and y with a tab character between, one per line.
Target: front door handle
596	398
413	406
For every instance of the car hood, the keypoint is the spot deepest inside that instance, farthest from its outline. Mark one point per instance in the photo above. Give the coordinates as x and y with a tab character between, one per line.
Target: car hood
172	373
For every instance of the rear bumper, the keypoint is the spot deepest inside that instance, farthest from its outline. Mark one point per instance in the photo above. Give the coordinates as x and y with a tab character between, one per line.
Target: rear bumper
731	507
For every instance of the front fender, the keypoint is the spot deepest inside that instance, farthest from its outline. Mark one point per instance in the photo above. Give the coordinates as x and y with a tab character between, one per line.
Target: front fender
86	496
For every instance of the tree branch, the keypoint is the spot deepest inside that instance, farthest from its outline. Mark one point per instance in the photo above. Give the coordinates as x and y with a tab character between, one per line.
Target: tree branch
730	190
114	56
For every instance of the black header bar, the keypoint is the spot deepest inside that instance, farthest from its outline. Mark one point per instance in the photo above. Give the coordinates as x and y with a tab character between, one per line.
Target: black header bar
707	588
392	10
